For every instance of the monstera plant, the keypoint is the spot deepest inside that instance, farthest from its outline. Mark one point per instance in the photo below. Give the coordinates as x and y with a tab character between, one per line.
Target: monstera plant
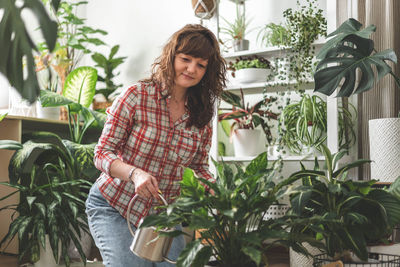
16	46
349	50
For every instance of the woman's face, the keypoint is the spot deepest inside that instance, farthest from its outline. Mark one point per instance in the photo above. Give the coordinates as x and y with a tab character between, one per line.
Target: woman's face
188	70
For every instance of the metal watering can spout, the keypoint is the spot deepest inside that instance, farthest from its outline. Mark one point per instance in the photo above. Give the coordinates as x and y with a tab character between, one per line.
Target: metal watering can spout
147	243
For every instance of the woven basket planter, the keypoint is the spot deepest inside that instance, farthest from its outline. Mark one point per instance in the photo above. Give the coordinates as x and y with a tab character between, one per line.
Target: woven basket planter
204	9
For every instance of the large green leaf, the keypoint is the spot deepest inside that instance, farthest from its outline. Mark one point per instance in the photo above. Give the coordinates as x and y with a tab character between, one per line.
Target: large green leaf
339	68
350	26
80	85
191	253
16	45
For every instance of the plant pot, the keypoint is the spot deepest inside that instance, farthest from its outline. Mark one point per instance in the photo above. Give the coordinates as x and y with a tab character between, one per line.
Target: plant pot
52	113
4	89
252	75
246	142
240	45
204	9
300	260
384	140
101	105
46	255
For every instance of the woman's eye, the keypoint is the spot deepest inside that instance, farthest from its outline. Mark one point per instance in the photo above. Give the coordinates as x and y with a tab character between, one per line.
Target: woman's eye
185	59
202	66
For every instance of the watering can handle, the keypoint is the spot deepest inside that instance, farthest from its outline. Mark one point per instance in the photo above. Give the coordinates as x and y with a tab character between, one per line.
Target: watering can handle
128	213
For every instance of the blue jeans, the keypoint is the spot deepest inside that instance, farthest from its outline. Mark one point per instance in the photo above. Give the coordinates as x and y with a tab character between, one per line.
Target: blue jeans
111	235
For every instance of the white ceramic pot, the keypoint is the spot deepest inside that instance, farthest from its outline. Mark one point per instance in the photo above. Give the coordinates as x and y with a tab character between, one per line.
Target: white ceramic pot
46	256
4	90
246	142
52	113
252	75
384	141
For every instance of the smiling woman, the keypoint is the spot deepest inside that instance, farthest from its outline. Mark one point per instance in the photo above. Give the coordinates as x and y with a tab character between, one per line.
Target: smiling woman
154	130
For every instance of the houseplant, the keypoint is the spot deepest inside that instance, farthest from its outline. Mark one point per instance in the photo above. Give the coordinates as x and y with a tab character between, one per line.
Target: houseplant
250	69
305	25
356	212
237	29
273	34
303	124
108	64
231	219
16	44
246	119
46	175
348	51
77	96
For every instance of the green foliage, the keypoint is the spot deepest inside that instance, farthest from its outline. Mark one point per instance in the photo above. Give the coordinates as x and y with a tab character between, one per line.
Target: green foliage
273	34
77	96
231	220
16	46
350	50
108	65
303	123
45	173
246	117
356	213
304	27
249	62
238	28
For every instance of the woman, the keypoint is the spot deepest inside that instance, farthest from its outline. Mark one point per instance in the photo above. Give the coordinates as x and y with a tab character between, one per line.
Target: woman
153	131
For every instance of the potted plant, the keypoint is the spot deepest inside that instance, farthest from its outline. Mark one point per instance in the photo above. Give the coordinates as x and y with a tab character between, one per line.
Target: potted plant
348	51
237	29
303	124
204	9
50	175
108	64
246	119
356	212
231	220
305	25
273	34
250	69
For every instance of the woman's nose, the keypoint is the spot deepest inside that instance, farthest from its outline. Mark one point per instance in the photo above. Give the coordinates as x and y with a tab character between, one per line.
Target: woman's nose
191	68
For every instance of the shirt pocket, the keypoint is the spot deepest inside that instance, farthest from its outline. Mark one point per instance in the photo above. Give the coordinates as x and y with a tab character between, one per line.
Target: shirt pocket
185	145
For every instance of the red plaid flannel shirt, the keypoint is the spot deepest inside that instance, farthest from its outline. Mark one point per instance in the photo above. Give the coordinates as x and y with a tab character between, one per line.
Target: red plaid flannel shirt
139	132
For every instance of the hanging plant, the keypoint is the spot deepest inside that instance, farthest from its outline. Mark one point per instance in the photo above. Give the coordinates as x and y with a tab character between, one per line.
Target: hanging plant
304	26
204	9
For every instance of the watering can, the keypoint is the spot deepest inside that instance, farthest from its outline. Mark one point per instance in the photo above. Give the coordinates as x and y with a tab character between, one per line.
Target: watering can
147	243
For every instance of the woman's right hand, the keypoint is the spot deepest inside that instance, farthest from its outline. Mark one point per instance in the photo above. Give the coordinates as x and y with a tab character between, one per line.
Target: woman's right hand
146	185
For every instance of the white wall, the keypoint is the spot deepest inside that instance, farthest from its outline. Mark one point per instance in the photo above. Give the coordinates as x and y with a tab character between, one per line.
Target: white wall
142	27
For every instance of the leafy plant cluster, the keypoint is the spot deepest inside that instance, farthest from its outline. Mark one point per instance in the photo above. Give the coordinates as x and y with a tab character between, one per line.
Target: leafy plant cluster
304	27
245	62
108	64
356	213
273	34
246	116
51	175
231	221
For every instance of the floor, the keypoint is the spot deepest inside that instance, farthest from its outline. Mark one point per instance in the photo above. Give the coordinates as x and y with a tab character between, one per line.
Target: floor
8	261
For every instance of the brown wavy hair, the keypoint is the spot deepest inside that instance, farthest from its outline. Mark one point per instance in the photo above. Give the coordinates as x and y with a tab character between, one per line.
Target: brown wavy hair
197	41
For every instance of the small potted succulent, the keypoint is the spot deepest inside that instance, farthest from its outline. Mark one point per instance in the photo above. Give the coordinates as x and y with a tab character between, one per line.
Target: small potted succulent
250	69
247	118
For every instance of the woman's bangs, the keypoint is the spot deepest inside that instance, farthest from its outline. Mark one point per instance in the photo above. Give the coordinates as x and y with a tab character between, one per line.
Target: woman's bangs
197	46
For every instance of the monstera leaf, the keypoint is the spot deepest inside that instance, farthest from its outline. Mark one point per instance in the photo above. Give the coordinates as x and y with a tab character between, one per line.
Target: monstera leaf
16	44
342	62
350	26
